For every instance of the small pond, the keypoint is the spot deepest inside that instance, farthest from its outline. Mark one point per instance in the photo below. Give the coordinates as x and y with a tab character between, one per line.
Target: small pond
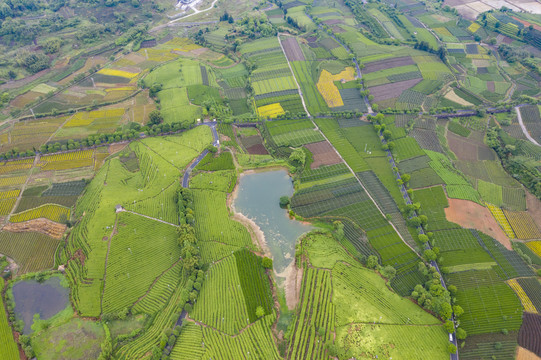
46	299
258	198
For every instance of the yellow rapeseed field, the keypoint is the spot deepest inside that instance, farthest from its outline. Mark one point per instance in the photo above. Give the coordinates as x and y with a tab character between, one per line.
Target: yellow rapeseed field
9	194
328	90
502	220
474	27
271	110
52	212
535	246
120	73
524	299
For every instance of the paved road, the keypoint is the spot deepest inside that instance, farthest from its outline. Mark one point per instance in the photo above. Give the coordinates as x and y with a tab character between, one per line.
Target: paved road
216	142
524	130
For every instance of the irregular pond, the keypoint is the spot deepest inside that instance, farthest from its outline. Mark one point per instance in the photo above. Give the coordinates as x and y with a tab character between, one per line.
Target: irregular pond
46	299
258	197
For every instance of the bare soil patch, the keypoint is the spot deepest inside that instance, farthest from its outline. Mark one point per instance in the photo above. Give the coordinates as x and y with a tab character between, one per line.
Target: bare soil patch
116	147
463	149
451	95
507	40
292	284
526	23
44	226
258	149
292	49
472	215
387	64
389	91
324	154
524	354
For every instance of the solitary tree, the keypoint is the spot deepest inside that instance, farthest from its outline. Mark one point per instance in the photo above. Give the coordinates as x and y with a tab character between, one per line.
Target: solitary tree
259	311
155	117
372	262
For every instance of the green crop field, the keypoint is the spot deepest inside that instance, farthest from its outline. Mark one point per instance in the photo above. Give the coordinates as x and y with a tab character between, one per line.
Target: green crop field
464	192
8	350
32	251
214	225
128	251
124	138
489	304
229	314
316	294
298	138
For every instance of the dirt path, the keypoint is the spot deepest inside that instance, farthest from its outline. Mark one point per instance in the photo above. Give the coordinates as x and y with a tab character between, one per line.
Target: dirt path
106	260
6	219
58	129
149	217
523	127
155	281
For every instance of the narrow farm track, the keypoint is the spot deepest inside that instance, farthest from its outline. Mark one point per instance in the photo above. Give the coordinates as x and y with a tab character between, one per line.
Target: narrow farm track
58	129
156	280
160	155
106	261
149	217
523	127
36	160
217	330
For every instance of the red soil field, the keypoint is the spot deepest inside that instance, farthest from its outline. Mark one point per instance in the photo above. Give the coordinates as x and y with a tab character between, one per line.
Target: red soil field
292	49
472	215
323	153
257	149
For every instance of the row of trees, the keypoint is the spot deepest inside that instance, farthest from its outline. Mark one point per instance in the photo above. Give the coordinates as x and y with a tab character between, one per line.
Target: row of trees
431	295
131	132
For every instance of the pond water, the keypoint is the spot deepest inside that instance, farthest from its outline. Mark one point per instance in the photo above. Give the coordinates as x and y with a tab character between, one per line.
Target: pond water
258	198
46	299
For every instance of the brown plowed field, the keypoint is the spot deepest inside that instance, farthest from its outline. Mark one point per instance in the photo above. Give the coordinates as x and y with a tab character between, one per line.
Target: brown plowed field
324	154
387	64
292	49
529	336
472	215
464	150
44	226
469	149
390	91
258	149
